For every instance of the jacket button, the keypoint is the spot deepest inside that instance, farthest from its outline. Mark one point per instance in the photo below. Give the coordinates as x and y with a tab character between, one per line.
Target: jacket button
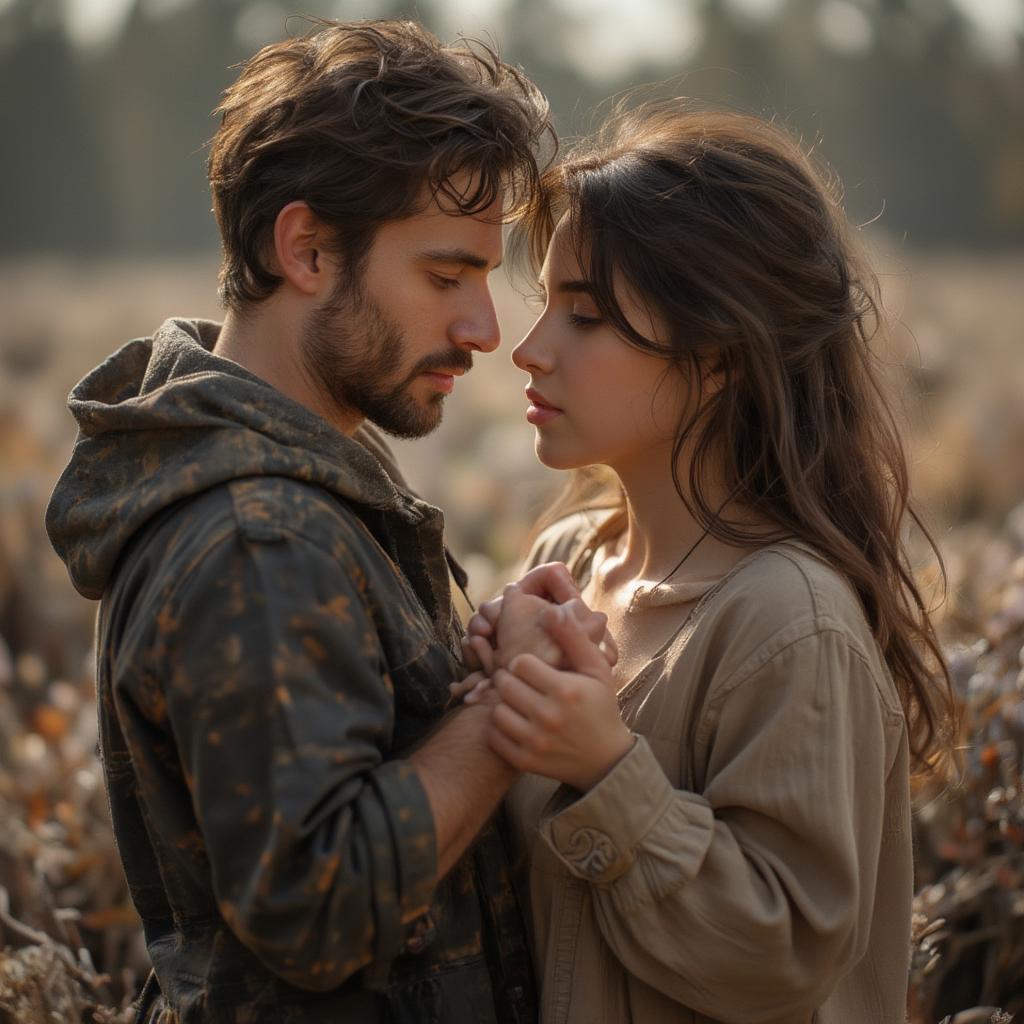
422	935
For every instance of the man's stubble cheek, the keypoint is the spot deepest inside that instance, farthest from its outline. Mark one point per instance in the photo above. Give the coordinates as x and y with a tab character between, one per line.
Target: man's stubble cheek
359	359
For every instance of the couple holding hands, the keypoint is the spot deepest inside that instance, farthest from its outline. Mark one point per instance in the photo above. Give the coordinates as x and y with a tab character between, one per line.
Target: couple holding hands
662	777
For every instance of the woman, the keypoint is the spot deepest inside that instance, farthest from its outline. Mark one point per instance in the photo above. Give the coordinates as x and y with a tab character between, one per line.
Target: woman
717	829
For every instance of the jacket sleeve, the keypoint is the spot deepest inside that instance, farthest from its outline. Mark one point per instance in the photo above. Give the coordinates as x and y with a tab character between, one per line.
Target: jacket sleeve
278	697
750	901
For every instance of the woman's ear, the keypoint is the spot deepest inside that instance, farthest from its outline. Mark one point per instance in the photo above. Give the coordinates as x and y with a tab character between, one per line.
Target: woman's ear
298	248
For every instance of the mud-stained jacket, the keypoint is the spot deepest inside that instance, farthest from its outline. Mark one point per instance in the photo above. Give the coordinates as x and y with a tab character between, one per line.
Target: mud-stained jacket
275	631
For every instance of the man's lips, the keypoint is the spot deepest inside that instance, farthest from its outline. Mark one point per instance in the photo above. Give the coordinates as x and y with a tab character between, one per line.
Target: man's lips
443	380
540	411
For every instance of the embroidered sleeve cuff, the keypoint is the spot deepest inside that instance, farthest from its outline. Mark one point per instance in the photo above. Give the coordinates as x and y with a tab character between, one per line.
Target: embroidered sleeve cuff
596	836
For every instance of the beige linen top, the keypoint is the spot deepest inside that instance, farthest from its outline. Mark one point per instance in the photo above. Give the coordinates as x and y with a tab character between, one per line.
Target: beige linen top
749	860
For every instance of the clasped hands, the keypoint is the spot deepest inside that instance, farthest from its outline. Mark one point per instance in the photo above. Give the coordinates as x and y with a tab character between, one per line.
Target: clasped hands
542	661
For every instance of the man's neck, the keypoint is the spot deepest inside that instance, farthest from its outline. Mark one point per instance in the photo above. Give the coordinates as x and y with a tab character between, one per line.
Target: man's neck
266	341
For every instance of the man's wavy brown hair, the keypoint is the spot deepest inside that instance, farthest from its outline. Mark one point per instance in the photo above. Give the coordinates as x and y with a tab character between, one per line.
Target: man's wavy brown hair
725	227
358	119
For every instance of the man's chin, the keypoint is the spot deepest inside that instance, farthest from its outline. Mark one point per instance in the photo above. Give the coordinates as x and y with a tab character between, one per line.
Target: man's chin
409	423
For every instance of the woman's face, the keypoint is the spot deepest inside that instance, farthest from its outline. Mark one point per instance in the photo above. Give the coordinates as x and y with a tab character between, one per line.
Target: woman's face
595	399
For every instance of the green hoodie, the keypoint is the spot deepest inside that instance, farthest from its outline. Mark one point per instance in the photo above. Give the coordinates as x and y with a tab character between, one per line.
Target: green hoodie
275	630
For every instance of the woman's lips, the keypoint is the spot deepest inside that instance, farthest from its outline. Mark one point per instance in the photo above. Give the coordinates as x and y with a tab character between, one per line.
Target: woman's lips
539	412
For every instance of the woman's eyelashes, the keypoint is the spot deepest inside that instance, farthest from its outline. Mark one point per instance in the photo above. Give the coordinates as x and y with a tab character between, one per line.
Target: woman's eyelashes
582	320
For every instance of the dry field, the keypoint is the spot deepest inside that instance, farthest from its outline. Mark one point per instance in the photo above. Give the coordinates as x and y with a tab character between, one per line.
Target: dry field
957	358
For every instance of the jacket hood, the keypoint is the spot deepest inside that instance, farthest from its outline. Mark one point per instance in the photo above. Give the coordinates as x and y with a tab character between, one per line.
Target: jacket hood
163	419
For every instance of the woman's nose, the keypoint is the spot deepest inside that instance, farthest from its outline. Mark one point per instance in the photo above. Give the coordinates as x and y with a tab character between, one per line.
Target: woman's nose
532	354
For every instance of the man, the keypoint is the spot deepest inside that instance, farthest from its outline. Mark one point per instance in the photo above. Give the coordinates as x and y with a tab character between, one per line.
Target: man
276	636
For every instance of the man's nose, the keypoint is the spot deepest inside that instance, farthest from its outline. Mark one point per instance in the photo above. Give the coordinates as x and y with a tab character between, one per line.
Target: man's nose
478	330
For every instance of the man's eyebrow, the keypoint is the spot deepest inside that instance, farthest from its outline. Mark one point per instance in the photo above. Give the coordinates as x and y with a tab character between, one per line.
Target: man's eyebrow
463	256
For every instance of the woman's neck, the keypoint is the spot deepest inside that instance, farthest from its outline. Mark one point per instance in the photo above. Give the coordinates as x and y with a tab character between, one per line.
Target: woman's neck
660	529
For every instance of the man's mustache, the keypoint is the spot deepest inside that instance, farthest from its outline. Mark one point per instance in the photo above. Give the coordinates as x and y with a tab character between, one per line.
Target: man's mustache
454	359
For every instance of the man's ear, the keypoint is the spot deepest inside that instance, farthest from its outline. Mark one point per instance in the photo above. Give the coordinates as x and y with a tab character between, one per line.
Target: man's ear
298	248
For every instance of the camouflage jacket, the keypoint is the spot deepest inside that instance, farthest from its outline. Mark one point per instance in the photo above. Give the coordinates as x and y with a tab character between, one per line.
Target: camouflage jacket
275	631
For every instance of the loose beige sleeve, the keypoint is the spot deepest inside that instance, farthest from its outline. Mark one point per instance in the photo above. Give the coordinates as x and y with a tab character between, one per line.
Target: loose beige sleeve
561	540
747	902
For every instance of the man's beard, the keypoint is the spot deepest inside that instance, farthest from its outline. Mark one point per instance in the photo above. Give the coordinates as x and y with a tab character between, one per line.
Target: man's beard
352	352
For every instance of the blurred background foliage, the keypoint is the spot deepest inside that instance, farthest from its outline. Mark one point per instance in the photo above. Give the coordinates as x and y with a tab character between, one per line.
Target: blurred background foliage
916	105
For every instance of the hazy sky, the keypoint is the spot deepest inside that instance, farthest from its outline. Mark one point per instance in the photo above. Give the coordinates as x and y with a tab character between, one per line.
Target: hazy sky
658	30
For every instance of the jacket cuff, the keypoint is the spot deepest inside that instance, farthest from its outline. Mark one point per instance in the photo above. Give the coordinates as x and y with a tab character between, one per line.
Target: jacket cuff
596	836
414	836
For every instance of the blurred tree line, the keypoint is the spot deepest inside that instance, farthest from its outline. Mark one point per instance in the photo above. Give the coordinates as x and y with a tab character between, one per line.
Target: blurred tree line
104	144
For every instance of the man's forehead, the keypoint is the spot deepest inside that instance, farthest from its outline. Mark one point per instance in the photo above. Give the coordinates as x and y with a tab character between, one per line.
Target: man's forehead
472	238
433	233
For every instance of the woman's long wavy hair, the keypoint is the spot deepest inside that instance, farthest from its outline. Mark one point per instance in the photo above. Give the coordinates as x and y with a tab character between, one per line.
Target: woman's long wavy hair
727	230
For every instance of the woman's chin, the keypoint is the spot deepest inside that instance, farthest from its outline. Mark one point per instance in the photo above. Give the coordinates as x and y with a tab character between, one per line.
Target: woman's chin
558	456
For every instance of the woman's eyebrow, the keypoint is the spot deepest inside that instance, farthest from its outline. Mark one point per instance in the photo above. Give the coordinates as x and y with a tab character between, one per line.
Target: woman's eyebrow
577	287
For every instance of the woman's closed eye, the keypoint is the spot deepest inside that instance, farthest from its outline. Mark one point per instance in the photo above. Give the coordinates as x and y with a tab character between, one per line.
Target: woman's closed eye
582	320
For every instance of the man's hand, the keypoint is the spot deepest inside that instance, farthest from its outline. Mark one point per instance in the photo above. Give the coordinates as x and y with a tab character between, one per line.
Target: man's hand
550	583
521	630
564	725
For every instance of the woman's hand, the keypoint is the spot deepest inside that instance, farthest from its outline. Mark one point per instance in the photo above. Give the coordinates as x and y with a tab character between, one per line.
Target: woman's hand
494	636
551	581
520	631
475	681
564	725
